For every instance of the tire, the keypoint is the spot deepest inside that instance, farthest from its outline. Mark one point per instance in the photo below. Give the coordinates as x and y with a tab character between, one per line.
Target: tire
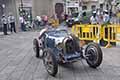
48	53
36	48
94	55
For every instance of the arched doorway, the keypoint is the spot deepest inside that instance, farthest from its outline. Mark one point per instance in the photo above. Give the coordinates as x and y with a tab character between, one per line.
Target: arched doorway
59	8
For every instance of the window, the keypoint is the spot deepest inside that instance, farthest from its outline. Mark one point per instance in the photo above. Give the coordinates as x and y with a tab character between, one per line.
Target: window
93	7
107	6
101	6
84	7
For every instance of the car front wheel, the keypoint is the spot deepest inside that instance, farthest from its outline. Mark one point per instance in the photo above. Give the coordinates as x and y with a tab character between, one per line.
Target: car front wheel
36	47
93	55
50	62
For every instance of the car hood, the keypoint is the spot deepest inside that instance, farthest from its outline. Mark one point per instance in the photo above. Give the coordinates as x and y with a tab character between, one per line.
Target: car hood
57	39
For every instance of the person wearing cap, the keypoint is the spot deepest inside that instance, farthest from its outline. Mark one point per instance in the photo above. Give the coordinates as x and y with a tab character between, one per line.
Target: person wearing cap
106	20
45	19
85	19
99	15
11	20
94	21
93	18
4	23
106	17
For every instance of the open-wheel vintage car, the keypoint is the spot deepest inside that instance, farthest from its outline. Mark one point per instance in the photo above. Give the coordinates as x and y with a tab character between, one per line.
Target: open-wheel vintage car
57	46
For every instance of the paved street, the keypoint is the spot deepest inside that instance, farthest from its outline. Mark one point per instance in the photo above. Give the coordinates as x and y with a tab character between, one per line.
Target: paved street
18	62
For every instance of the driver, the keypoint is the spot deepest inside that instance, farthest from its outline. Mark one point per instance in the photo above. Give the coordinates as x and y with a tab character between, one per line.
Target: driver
44	30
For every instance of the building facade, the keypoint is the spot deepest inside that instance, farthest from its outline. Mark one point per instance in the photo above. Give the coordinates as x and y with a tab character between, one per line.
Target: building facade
50	7
12	6
72	6
6	7
47	7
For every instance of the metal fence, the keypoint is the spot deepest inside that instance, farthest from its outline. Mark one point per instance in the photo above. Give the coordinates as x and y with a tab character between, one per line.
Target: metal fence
97	32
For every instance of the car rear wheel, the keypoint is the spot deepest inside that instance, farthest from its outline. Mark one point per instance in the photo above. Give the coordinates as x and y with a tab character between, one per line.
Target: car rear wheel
50	62
93	55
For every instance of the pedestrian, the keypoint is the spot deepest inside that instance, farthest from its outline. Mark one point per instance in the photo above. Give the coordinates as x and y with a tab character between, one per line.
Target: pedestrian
93	18
38	18
85	19
118	17
99	15
106	22
45	19
22	23
106	18
93	21
11	20
4	23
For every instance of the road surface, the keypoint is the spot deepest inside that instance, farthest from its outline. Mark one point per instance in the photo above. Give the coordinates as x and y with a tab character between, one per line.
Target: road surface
18	62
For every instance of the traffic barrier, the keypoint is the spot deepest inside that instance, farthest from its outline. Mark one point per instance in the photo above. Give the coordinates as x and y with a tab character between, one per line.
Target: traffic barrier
110	34
87	32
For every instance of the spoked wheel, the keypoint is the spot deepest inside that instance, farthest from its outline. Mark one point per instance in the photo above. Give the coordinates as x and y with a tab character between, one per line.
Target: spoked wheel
50	62
93	55
38	50
36	47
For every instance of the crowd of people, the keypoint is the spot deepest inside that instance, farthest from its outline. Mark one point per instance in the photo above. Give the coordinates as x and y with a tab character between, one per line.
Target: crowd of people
8	22
98	18
40	21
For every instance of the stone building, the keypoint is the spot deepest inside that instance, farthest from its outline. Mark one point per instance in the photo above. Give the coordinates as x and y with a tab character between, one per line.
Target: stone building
7	6
12	6
46	7
49	7
90	5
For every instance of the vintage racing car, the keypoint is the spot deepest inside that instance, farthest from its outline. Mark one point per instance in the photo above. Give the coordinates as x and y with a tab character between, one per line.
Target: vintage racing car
56	46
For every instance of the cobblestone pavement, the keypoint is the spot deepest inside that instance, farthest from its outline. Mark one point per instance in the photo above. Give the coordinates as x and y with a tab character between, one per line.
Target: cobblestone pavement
18	62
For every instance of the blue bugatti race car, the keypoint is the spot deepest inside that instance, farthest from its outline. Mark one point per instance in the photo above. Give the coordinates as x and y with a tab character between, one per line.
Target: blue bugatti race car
58	46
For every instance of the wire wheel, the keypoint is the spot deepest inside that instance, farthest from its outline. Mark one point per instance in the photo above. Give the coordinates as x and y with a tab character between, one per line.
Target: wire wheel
93	55
36	47
50	62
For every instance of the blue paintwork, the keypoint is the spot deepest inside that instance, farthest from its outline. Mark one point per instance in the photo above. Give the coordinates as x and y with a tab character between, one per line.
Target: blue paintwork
50	43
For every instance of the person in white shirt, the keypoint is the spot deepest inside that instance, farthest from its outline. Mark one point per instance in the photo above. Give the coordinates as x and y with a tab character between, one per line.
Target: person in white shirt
38	18
99	17
4	23
93	18
93	21
106	17
11	20
22	23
